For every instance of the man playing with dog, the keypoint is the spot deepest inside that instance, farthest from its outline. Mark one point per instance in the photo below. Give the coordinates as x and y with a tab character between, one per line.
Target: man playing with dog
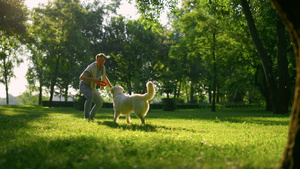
88	80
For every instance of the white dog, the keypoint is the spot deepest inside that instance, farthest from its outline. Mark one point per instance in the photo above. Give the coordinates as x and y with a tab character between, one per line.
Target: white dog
137	103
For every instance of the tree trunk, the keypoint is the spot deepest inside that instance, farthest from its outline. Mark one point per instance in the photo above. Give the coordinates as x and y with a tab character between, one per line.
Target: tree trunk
192	93
260	82
269	105
40	95
283	71
250	97
266	60
291	155
6	90
6	82
129	88
187	97
178	92
218	94
175	92
289	12
213	107
209	95
66	93
40	89
53	81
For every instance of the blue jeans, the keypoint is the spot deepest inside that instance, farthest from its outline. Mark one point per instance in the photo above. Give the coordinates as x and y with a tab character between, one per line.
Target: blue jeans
91	96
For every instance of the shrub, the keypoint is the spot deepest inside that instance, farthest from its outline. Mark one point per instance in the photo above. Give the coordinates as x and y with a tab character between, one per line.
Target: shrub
57	104
156	106
187	106
169	104
79	102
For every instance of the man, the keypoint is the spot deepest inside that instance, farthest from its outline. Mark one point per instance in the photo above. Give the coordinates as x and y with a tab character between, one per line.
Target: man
88	79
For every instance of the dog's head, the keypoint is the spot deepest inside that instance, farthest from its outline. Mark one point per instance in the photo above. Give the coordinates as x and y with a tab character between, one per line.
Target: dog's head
115	90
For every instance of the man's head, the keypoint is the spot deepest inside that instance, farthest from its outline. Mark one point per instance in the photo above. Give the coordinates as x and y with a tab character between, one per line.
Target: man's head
100	59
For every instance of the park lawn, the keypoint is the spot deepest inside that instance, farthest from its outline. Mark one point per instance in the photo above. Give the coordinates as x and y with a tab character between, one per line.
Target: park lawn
38	137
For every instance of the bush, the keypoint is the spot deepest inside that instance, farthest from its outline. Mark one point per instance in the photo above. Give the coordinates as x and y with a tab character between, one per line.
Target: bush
107	105
242	106
80	100
156	106
57	104
187	106
204	106
169	104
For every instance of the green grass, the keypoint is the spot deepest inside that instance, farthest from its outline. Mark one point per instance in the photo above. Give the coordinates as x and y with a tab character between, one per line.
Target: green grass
37	137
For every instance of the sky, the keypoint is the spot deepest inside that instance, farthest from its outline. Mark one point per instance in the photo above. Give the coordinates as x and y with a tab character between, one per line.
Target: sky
18	84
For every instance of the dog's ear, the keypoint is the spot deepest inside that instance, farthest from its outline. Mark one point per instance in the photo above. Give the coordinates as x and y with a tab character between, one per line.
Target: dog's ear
121	88
112	90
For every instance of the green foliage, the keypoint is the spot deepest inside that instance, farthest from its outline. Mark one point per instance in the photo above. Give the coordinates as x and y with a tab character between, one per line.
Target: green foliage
58	54
137	51
169	104
57	104
64	36
13	16
29	98
37	137
79	102
153	8
10	49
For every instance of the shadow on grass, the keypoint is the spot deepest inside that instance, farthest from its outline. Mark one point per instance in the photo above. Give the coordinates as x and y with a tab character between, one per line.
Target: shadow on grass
14	117
252	116
133	127
145	128
96	152
19	116
91	152
47	153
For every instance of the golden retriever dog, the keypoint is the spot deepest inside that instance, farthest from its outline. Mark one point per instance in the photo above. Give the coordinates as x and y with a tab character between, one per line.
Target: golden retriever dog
137	103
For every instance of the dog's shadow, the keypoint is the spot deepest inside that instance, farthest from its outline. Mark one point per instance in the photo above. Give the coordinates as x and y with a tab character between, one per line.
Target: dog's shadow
146	127
126	126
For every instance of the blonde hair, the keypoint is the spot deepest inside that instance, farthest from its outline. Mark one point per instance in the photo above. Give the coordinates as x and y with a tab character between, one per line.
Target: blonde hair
100	55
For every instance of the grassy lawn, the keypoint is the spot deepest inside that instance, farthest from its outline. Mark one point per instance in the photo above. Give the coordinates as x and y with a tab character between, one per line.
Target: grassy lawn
37	137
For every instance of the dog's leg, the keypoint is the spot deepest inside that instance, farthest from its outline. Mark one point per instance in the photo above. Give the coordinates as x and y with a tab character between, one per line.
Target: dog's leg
141	118
142	121
128	118
116	116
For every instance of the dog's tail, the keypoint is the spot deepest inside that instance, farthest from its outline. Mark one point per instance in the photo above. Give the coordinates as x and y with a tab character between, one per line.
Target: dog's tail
150	92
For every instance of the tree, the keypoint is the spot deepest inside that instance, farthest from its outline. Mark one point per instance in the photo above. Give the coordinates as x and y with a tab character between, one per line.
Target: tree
231	26
277	94
94	28
136	48
58	51
13	16
36	70
207	35
288	11
29	97
187	51
9	58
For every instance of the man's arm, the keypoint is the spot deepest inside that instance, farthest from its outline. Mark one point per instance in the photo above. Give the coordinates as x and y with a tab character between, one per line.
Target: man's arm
84	77
108	82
